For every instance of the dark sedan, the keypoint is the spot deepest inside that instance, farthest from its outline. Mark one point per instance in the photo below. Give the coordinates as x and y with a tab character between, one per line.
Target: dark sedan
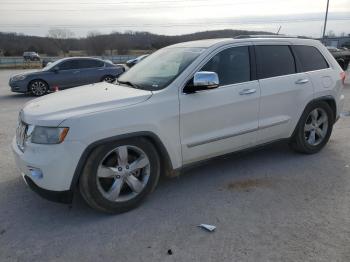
65	73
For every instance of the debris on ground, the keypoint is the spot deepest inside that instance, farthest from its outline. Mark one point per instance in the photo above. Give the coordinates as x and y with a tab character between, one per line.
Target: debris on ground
207	227
347	166
248	184
170	252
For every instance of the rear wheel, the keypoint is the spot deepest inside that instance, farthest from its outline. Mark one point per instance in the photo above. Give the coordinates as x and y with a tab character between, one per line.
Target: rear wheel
108	79
314	128
117	177
38	88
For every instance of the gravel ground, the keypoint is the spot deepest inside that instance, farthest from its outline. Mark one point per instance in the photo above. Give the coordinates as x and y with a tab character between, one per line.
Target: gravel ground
268	205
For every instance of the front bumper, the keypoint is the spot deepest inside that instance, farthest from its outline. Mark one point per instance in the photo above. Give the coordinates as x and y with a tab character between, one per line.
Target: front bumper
65	197
56	165
18	86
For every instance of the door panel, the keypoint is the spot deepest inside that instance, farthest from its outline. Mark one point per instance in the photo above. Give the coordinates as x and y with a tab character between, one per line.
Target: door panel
92	70
282	101
218	121
284	92
67	76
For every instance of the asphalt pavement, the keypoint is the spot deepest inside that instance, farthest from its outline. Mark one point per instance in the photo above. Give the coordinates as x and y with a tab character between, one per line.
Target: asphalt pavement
269	204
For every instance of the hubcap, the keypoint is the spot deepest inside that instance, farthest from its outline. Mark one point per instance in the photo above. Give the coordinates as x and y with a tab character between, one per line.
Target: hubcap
38	88
123	173
108	79
316	127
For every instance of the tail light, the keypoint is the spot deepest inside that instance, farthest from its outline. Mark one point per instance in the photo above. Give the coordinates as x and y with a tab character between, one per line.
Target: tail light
342	77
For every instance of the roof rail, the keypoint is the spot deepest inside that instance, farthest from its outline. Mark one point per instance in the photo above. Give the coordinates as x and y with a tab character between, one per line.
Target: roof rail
269	36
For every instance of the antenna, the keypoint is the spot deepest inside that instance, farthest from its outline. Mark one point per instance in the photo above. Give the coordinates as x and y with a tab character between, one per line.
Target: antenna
278	31
325	22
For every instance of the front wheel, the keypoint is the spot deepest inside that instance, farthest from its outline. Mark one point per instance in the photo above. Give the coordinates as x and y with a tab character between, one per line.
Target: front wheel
117	177
38	88
314	128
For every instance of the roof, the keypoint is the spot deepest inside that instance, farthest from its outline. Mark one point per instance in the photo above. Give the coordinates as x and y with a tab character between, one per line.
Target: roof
259	38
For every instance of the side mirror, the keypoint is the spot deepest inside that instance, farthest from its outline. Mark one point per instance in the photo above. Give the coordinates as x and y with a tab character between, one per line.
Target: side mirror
203	80
55	69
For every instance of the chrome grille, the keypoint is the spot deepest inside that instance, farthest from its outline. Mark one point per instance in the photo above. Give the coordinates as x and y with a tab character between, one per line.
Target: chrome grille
21	134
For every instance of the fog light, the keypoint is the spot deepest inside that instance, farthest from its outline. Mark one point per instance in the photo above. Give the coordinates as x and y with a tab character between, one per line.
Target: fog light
35	173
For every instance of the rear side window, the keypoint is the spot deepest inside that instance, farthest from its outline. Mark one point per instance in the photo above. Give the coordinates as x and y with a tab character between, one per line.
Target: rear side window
90	63
69	65
274	61
232	65
310	58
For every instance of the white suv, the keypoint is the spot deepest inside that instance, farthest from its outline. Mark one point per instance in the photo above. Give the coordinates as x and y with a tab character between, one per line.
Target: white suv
182	104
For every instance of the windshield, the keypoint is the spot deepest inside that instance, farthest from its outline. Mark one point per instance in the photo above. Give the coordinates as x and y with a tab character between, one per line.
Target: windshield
158	70
51	65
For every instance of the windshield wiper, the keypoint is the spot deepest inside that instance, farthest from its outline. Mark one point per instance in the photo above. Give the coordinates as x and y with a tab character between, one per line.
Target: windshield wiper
128	83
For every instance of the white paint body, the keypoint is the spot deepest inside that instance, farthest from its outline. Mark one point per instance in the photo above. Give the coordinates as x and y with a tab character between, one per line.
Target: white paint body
191	127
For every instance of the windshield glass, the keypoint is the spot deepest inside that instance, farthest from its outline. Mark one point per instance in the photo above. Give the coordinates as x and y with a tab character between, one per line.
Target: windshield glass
158	70
51	65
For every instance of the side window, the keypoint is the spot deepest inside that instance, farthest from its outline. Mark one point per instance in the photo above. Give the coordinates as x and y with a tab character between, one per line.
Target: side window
310	58
274	61
90	63
68	65
232	65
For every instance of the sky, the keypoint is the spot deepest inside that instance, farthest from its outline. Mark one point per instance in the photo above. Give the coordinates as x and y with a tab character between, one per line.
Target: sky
173	17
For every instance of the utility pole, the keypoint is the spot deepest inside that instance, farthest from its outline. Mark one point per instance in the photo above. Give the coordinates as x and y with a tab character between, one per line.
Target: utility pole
325	22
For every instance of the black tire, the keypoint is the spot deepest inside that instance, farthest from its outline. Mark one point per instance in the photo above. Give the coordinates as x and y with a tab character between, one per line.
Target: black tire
108	79
299	141
88	184
38	87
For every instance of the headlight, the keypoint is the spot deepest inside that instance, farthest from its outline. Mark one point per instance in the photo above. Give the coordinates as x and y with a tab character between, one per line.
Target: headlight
19	77
48	135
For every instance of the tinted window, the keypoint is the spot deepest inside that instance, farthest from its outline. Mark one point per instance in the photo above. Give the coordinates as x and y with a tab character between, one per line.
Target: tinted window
232	65
310	58
274	61
90	63
67	65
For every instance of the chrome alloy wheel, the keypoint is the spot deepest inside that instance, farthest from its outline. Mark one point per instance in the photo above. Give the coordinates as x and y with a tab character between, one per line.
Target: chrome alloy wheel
316	126
123	173
38	88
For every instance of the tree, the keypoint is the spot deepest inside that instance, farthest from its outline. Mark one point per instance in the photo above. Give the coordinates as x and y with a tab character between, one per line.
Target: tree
95	43
59	37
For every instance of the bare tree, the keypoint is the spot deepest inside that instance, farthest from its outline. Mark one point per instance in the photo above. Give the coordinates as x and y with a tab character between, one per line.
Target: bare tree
96	44
59	36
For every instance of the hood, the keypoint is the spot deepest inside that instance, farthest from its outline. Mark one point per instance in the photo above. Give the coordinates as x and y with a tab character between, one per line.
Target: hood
30	73
52	109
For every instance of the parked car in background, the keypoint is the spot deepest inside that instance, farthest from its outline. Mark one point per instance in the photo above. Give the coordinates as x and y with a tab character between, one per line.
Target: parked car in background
184	104
342	56
65	73
31	56
132	62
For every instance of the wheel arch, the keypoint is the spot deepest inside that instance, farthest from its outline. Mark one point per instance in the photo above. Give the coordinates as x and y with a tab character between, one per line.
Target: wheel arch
104	76
166	164
330	100
36	79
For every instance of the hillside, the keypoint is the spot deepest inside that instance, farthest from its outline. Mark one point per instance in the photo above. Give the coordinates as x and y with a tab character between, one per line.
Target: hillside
13	44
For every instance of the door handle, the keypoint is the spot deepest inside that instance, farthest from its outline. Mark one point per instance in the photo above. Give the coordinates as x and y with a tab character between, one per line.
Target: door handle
302	81
247	91
76	72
